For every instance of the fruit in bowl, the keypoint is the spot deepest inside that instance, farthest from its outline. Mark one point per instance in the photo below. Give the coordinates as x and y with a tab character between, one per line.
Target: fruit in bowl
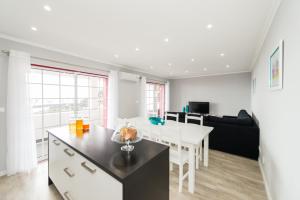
128	133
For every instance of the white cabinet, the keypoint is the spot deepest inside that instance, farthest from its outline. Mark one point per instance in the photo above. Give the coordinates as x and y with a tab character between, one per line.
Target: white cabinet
76	178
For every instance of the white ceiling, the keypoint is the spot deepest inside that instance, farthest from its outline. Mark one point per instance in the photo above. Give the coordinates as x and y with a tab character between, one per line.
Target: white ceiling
99	29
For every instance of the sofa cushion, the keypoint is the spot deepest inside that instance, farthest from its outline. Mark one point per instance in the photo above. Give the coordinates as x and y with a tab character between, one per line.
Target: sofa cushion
214	119
224	120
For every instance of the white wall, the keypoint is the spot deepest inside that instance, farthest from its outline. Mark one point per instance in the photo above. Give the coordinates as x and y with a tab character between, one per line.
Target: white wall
129	98
278	111
227	94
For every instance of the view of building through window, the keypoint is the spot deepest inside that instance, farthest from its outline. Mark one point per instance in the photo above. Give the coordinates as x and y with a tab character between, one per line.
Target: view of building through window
59	96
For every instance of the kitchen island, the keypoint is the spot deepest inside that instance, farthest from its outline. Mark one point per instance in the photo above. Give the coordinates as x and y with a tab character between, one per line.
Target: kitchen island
93	167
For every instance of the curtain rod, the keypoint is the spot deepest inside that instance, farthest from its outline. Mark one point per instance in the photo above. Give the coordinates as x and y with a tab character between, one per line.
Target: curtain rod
59	62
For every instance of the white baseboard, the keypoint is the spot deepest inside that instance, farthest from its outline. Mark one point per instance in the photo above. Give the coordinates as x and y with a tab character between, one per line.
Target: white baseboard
265	180
2	173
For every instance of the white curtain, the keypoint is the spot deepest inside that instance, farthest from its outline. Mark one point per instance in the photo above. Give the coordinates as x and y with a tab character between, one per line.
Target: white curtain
21	146
113	99
143	108
167	97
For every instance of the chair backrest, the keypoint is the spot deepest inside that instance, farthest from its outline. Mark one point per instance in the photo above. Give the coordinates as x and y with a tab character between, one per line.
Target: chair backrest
176	116
193	117
170	136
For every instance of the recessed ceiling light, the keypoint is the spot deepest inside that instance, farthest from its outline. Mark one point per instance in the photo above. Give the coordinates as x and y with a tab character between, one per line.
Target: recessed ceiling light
116	56
227	66
192	60
47	8
209	26
204	69
33	28
137	49
186	71
166	39
171	73
170	64
151	67
222	54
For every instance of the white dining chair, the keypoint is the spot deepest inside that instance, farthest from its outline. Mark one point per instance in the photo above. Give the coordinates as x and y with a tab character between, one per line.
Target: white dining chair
198	118
175	116
178	155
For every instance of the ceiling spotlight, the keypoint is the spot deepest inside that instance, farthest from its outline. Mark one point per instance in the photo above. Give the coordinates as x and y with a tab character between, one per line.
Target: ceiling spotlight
33	28
209	26
227	66
166	39
170	64
137	49
151	67
186	71
116	56
47	8
222	54
192	60
204	69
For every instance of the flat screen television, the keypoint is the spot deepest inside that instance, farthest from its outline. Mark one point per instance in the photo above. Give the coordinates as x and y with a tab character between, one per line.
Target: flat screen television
199	107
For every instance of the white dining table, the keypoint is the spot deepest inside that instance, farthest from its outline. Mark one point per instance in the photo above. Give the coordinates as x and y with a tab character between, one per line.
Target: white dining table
192	136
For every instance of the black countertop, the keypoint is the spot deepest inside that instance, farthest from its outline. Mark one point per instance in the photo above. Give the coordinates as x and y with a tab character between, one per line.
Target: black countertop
97	147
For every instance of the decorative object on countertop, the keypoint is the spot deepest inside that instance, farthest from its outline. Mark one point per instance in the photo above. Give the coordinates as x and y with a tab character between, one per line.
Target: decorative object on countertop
78	127
183	109
127	135
157	121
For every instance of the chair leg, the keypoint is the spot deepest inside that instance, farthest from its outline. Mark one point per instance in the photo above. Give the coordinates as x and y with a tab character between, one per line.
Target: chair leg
171	166
200	152
197	158
180	180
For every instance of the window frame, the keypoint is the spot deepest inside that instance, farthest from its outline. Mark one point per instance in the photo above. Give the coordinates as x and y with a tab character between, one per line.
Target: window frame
42	138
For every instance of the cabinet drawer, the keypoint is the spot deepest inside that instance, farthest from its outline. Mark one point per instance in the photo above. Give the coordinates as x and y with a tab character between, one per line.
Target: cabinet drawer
100	184
60	166
76	178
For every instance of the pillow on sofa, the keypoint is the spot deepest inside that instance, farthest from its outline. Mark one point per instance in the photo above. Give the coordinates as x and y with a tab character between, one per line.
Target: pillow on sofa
244	118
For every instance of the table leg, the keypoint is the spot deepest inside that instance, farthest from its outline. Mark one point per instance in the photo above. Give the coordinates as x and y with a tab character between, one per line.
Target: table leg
191	169
206	142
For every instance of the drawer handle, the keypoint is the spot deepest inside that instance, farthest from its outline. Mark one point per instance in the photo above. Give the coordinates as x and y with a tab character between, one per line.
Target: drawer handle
84	165
69	153
56	142
67	195
67	171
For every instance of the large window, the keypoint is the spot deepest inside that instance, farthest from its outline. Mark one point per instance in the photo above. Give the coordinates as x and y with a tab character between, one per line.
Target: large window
59	96
155	98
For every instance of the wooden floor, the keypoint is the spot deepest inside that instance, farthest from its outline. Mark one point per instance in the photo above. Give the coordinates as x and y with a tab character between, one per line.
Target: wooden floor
227	177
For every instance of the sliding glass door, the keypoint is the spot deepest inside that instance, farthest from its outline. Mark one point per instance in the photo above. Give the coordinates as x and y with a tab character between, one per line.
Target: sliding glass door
58	96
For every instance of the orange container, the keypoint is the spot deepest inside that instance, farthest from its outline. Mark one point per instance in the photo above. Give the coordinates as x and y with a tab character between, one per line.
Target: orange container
79	133
86	127
72	127
79	124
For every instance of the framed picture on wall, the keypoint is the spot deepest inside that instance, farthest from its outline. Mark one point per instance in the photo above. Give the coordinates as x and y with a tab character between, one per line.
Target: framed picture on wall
276	68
